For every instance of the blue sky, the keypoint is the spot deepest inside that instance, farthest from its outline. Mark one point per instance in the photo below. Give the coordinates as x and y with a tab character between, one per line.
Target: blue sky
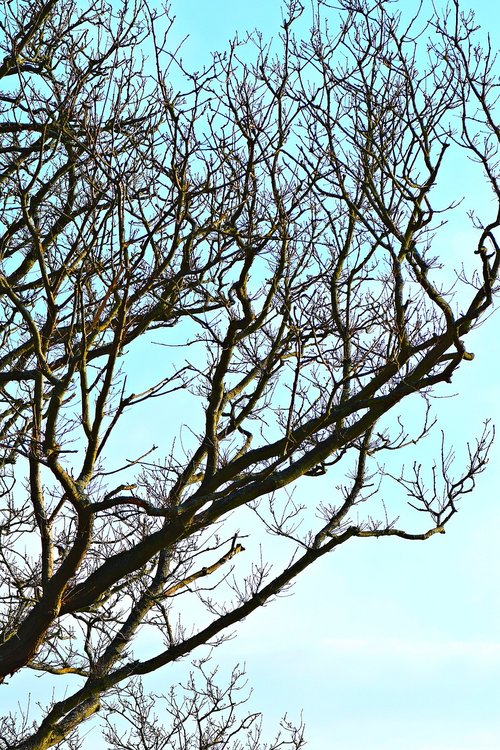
386	644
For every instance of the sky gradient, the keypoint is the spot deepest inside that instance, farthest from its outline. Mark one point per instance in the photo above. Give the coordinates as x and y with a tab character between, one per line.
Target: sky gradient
387	644
384	644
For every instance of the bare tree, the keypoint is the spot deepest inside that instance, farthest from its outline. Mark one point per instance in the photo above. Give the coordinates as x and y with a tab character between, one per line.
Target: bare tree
270	222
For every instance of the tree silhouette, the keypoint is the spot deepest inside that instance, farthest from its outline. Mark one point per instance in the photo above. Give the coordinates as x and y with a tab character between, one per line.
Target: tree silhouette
270	222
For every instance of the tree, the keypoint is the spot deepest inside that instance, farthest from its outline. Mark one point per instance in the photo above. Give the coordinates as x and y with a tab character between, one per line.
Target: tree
270	222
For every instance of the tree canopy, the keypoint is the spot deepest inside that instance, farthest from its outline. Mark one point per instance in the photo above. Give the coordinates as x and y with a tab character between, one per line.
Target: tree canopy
264	230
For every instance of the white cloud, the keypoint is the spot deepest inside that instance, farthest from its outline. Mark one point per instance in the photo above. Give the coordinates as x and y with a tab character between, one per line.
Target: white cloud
411	649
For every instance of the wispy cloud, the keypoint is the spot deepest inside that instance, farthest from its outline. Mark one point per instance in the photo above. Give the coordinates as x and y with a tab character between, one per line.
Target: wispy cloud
411	649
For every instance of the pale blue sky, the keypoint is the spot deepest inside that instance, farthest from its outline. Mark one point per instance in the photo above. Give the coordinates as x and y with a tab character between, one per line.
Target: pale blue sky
385	645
